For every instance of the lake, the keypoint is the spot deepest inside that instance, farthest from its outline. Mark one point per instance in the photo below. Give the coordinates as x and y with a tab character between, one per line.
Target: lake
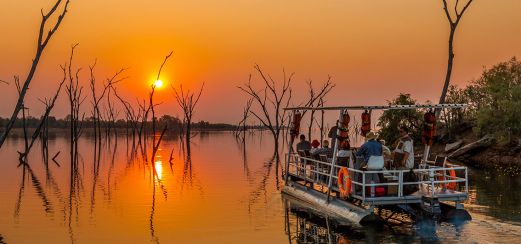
223	193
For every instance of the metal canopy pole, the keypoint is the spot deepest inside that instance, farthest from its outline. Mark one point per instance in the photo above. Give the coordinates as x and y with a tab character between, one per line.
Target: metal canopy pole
385	107
290	151
335	151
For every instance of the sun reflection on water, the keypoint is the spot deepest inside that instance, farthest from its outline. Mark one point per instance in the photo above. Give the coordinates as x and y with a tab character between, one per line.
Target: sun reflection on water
158	166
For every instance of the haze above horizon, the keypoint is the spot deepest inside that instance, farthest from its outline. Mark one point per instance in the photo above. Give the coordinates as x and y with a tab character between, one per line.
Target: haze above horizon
372	49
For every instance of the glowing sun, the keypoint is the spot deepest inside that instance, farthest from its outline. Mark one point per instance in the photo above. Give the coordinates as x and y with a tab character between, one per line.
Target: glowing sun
158	83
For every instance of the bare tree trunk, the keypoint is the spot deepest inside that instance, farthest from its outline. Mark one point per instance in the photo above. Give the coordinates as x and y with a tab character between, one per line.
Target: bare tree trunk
41	44
187	102
453	22
49	105
450	63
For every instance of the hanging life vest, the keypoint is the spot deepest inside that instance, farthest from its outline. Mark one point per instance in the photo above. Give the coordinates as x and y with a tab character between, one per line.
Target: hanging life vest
295	127
429	128
366	123
344	127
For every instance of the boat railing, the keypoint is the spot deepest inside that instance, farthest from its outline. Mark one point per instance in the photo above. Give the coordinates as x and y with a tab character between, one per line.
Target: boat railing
445	183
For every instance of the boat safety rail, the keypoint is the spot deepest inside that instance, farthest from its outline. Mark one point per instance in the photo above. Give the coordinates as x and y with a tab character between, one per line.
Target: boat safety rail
434	181
309	169
437	181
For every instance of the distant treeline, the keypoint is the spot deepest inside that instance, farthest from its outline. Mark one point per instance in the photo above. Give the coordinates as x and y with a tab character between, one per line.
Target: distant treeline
173	123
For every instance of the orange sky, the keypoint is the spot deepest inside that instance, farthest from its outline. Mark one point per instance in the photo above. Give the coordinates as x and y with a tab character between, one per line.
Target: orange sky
373	49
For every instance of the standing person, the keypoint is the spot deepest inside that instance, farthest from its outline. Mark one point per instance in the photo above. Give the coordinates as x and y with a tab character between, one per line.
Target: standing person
332	133
345	156
303	144
371	148
372	153
405	147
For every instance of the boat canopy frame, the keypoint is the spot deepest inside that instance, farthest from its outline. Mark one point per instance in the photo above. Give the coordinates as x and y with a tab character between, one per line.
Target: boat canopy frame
381	107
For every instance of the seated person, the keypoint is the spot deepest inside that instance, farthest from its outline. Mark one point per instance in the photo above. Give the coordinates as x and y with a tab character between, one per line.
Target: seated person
324	150
314	145
303	144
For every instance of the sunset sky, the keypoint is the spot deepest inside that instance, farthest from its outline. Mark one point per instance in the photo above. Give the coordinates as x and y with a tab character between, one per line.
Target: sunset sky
372	49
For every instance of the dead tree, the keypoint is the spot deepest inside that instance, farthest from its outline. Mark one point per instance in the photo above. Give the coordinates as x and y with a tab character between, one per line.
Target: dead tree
453	23
130	114
314	100
270	101
112	114
187	101
96	100
242	125
76	98
49	105
43	40
24	125
151	99
322	113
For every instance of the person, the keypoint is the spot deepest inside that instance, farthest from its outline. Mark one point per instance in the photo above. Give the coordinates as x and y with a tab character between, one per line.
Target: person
344	155
386	153
303	145
372	154
333	133
315	144
371	148
324	150
405	147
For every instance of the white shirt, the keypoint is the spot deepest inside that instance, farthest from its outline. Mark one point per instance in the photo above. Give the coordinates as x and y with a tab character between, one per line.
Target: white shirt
407	146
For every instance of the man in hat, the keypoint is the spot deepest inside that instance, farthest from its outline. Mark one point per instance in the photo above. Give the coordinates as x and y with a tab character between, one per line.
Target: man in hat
370	148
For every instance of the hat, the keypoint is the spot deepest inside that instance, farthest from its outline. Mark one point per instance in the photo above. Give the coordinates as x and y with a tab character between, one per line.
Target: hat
371	135
315	143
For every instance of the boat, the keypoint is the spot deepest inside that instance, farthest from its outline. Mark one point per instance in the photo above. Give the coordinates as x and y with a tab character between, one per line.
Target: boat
441	187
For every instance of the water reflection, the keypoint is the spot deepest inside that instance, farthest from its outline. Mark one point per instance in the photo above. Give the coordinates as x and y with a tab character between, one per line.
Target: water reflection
158	165
304	226
225	188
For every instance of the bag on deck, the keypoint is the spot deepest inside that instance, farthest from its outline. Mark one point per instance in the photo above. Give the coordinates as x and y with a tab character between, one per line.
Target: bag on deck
410	177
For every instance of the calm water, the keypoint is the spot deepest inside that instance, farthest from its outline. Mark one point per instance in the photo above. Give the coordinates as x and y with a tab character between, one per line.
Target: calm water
224	193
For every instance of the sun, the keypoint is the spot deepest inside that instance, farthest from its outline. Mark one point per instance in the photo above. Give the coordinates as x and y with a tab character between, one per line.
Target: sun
158	83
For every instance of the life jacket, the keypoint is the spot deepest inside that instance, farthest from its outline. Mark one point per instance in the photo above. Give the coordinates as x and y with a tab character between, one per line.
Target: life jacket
295	128
343	129
366	123
429	128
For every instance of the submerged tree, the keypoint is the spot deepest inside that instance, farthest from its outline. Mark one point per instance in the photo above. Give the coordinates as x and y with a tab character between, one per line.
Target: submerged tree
315	100
454	20
271	101
42	42
76	98
187	101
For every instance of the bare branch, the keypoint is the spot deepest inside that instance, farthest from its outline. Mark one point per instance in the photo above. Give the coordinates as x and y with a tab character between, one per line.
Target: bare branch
164	61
